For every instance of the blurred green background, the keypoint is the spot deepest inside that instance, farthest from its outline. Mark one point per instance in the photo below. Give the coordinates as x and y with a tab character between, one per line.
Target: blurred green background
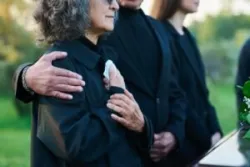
220	37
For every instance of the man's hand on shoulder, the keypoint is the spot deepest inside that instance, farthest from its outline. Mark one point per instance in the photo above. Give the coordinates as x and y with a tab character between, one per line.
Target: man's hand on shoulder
45	79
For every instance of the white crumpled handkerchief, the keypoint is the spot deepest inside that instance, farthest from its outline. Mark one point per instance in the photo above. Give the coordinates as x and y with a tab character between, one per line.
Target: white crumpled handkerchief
108	64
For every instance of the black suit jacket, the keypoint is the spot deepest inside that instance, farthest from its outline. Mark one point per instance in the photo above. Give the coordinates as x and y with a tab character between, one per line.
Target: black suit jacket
243	71
202	121
168	103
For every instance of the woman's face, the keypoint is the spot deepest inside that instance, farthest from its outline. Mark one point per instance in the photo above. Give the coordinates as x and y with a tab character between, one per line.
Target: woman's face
189	6
102	15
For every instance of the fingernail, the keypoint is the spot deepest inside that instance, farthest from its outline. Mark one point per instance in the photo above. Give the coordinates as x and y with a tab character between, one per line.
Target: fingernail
79	77
80	89
65	53
70	97
83	83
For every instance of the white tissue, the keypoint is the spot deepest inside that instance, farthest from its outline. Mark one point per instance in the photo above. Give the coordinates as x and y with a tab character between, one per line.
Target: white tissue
108	64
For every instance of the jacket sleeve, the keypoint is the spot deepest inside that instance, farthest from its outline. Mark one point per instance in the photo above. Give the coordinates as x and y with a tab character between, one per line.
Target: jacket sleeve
20	93
195	128
178	109
143	141
212	119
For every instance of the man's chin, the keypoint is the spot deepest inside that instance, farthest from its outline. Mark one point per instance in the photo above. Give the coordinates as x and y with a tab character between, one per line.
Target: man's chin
130	5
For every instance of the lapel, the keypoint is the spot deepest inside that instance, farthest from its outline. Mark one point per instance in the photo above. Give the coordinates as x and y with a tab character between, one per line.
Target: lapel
163	40
199	68
191	60
129	43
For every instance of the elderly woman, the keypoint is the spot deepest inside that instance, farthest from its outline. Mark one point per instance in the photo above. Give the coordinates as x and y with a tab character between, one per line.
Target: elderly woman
84	131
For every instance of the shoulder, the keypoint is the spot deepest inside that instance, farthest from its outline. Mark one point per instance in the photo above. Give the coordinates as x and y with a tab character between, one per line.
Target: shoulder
247	45
245	52
66	46
155	21
190	34
151	18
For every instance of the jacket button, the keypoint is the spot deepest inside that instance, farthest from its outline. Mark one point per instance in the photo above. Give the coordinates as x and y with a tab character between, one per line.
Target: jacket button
158	100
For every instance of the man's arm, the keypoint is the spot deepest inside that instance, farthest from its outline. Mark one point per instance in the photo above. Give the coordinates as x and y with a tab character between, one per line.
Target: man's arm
17	82
173	136
44	79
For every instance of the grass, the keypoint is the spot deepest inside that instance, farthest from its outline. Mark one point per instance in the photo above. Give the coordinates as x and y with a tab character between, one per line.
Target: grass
9	118
15	132
14	138
15	149
223	98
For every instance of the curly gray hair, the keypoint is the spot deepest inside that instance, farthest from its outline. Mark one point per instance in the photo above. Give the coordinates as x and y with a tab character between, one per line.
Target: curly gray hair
62	19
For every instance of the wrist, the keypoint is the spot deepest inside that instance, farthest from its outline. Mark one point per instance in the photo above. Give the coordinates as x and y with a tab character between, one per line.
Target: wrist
142	127
26	85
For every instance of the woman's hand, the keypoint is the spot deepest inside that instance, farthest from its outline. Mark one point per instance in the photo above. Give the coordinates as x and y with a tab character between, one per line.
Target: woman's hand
215	138
129	112
115	78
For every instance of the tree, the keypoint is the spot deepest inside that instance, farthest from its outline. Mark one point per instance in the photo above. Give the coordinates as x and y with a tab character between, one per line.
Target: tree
16	46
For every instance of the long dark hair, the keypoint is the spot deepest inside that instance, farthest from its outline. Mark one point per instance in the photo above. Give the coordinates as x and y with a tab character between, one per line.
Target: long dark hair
164	9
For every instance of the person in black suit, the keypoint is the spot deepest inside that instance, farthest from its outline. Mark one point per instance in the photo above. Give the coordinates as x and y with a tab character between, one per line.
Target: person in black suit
202	126
85	131
144	61
243	71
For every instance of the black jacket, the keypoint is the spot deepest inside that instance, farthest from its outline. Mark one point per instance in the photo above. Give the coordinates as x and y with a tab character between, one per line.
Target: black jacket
202	121
81	132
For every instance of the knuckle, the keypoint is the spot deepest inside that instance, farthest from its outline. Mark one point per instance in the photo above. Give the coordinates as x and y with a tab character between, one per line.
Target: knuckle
114	108
77	82
131	95
122	110
130	110
57	95
45	91
50	70
67	87
52	94
43	57
68	81
133	105
67	73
